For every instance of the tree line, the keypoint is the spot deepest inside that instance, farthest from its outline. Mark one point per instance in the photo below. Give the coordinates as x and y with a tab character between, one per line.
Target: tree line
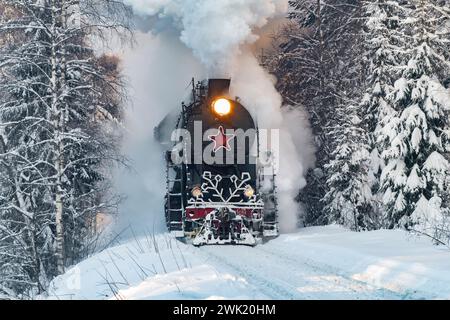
374	77
60	102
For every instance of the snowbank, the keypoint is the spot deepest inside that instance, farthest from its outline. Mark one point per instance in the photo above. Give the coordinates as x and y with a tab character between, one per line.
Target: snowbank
319	262
392	259
152	267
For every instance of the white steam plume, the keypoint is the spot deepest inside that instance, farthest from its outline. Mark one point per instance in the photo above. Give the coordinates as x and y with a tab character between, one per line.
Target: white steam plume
256	89
157	87
220	33
214	29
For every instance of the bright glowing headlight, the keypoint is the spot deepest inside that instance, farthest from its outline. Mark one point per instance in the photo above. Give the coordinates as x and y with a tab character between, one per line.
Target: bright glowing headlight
221	106
196	192
249	191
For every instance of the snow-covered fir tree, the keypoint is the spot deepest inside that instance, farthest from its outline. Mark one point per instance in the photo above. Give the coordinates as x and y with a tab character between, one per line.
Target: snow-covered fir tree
315	67
403	44
56	148
381	47
416	137
349	199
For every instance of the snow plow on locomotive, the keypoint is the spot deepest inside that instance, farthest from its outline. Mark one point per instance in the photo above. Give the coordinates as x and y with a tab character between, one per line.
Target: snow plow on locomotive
218	190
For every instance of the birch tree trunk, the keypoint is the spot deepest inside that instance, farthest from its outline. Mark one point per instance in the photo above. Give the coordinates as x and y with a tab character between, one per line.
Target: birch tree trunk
57	122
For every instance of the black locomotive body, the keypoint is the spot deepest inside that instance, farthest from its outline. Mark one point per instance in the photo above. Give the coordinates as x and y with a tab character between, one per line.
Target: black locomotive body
214	176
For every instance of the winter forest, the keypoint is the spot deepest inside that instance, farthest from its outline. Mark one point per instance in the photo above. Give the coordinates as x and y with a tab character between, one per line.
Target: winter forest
373	77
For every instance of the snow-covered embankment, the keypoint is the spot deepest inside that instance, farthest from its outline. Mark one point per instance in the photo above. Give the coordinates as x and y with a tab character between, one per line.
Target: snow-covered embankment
321	262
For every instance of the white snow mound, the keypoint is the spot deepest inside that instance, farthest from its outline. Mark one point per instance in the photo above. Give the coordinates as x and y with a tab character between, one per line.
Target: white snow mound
314	263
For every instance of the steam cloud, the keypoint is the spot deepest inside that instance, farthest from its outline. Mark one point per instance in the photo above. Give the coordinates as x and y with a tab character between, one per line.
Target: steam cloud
214	30
220	35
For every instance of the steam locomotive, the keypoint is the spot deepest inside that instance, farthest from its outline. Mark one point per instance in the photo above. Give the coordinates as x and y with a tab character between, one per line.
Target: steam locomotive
218	189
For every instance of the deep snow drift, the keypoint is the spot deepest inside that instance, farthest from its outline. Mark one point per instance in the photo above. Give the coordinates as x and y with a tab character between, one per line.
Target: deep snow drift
315	263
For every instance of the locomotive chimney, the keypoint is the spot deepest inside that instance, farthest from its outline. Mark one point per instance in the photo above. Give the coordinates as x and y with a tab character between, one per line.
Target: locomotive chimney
218	88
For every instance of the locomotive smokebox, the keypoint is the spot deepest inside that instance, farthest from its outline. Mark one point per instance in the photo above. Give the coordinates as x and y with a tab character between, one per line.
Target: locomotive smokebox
218	88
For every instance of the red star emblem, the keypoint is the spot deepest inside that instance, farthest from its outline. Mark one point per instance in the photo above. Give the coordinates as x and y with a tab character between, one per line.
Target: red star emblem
221	140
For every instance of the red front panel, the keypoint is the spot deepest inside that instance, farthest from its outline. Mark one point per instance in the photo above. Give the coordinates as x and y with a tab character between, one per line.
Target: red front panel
197	213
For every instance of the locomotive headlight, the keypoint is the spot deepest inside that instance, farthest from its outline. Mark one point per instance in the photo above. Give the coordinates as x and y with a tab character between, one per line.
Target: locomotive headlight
196	192
249	191
221	106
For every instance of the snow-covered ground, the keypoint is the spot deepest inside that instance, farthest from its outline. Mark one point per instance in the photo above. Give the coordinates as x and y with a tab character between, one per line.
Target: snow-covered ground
314	263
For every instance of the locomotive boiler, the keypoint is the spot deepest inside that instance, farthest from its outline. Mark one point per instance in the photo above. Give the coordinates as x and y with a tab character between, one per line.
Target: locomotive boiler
218	189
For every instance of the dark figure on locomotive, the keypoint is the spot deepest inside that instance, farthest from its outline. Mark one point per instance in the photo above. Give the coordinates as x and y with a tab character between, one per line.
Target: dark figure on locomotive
216	192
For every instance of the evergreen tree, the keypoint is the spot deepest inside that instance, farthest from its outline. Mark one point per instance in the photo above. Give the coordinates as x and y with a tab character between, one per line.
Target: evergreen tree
417	137
382	43
349	199
316	68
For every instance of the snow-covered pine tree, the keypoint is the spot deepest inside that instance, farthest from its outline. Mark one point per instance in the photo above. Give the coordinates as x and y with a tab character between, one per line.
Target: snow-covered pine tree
56	147
349	199
314	68
382	43
417	137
